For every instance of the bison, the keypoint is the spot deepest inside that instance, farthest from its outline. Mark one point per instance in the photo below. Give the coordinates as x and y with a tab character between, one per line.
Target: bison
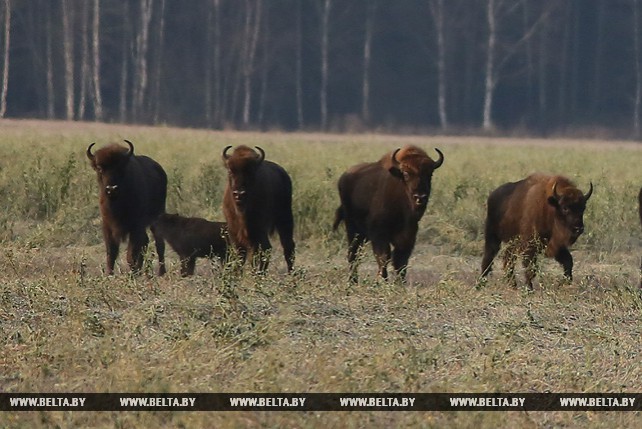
257	201
133	189
191	238
383	202
538	212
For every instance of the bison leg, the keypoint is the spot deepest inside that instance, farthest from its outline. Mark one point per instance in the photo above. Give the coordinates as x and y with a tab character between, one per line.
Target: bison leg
530	261
261	255
160	250
400	258
286	231
111	246
564	257
356	241
491	248
382	254
136	250
188	265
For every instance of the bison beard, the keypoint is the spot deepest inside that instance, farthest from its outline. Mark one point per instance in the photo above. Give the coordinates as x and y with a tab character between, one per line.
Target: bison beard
539	212
383	202
132	194
192	238
257	201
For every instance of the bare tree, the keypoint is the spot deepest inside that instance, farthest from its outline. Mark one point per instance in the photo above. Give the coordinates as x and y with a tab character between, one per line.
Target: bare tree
84	61
299	66
638	68
124	64
5	66
97	95
323	93
51	95
437	10
142	47
367	59
68	53
490	81
252	26
159	62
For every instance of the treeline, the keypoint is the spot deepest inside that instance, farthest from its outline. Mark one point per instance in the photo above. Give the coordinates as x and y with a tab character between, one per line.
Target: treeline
537	65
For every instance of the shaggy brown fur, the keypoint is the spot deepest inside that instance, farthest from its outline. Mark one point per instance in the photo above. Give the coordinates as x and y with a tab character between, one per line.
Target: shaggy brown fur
539	212
383	202
257	200
191	238
133	190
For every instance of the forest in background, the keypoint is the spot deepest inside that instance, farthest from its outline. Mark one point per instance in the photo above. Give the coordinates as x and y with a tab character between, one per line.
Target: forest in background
538	66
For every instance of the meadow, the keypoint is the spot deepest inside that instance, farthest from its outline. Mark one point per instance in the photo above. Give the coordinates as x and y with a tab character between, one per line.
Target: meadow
66	327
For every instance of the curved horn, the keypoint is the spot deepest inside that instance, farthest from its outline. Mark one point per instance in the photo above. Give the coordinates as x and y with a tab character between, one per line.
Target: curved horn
131	148
225	155
89	154
262	152
557	197
394	156
439	161
589	193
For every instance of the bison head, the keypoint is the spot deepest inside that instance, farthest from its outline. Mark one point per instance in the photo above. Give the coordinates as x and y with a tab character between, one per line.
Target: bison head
569	204
109	163
241	168
414	167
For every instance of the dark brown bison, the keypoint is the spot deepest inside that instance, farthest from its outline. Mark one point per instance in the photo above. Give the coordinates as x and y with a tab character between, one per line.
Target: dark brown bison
383	202
191	238
133	189
257	201
539	212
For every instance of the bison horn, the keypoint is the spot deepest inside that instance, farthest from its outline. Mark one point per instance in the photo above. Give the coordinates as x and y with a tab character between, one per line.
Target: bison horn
131	148
439	161
588	194
557	197
262	152
225	155
89	154
394	156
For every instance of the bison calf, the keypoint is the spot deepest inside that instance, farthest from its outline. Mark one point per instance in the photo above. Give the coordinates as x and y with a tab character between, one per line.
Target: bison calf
383	202
191	238
133	189
539	212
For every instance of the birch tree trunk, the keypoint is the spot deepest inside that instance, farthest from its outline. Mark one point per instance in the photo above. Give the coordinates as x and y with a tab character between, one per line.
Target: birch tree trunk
489	84
51	95
97	98
638	68
437	8
252	26
142	47
159	63
323	95
299	67
367	56
84	61
124	65
5	65
68	53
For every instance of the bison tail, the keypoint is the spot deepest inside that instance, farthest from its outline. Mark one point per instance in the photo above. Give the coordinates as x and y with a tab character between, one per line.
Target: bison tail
338	217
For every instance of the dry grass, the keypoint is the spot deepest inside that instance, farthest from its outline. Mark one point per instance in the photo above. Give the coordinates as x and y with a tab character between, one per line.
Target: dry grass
66	327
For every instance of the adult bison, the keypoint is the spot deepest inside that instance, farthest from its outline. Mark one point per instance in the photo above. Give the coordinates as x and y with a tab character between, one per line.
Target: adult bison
383	202
538	212
191	238
133	189
257	201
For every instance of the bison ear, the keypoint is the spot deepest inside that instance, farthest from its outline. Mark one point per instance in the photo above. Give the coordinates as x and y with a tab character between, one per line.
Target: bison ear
553	201
396	172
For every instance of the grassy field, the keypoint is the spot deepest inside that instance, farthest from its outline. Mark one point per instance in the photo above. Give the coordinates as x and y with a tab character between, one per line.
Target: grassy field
65	327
